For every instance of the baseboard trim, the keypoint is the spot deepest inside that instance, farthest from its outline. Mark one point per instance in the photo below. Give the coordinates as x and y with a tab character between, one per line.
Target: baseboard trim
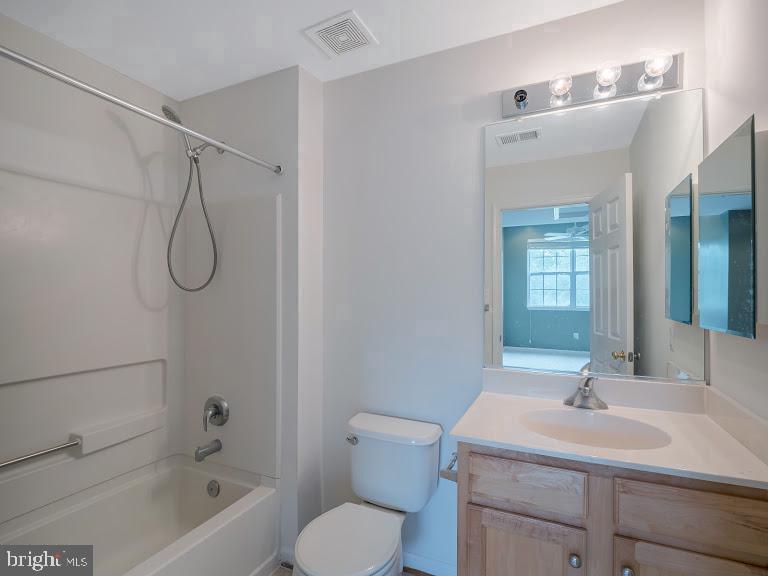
267	567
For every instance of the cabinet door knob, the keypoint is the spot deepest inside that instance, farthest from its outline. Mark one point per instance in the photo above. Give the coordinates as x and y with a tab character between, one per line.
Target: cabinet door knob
575	561
627	571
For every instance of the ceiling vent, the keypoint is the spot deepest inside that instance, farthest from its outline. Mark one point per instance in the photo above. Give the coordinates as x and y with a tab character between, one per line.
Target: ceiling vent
341	34
516	137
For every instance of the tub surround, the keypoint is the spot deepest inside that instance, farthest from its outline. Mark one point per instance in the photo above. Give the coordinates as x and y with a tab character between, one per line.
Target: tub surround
696	447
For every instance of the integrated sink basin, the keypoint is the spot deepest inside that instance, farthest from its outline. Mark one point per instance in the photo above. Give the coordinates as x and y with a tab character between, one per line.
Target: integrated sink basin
593	428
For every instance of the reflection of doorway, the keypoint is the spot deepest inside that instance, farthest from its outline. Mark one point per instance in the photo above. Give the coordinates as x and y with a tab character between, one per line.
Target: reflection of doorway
545	288
613	322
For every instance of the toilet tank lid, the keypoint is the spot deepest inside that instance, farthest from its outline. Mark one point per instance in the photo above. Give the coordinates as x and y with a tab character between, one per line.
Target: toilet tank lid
392	429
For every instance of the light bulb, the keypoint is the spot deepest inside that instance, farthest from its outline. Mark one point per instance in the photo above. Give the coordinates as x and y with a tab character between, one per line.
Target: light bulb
608	74
558	101
647	83
602	92
560	85
658	64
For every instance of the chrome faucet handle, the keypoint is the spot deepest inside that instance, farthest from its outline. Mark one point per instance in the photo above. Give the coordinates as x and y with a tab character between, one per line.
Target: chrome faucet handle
586	385
208	413
215	411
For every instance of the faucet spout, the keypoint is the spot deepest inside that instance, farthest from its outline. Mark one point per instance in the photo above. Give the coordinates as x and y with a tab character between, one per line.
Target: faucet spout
585	396
202	452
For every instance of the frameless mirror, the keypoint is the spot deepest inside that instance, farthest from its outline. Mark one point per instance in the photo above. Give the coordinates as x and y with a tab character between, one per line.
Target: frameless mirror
679	253
727	235
577	205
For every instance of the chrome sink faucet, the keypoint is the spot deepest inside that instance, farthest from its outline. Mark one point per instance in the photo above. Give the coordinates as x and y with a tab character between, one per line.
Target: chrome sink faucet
585	396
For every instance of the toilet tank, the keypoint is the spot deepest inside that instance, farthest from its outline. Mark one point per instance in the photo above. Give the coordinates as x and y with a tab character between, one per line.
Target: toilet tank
395	462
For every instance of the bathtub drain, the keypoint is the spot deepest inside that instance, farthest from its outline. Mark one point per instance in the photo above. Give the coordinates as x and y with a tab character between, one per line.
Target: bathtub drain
213	488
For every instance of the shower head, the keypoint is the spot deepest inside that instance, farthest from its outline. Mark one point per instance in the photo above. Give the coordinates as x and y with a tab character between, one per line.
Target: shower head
170	113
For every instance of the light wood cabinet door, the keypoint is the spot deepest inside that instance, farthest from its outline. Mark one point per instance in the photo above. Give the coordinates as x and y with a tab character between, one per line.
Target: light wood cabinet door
505	544
634	557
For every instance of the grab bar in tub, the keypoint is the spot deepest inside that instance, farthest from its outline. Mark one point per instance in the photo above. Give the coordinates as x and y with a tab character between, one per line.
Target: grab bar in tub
104	435
52	449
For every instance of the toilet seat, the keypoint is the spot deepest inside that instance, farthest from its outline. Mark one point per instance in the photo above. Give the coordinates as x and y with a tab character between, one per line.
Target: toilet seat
350	540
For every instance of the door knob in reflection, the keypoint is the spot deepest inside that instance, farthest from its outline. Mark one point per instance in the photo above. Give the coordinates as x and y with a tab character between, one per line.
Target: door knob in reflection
619	355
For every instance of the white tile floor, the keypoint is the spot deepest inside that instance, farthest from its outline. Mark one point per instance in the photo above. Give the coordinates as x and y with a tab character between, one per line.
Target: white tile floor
542	359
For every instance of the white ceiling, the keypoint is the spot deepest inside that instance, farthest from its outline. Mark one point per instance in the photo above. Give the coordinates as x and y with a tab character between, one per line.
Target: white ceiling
568	133
188	47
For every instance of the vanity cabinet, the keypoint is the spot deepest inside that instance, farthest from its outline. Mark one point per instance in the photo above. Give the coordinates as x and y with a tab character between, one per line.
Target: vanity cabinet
533	515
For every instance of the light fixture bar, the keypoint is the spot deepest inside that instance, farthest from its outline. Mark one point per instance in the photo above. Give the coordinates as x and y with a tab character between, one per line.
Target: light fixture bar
535	99
594	104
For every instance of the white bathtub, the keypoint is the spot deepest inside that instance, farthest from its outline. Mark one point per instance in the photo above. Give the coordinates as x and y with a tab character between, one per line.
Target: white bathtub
161	521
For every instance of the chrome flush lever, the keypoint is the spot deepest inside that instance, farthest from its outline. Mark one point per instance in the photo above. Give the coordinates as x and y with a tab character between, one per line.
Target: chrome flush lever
216	412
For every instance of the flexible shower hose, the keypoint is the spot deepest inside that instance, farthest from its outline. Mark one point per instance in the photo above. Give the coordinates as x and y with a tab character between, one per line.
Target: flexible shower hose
194	165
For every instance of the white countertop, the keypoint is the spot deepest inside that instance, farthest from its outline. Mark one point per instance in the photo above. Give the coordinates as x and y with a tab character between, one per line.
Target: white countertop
698	447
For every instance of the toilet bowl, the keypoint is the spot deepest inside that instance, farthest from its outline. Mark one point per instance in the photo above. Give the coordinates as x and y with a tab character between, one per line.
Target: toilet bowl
394	470
351	540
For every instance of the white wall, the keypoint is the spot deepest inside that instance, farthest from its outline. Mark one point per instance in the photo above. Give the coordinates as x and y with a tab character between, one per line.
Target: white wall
404	226
737	57
89	327
310	303
668	145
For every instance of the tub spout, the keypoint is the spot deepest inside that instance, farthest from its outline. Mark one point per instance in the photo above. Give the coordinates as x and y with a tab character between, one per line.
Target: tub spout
202	452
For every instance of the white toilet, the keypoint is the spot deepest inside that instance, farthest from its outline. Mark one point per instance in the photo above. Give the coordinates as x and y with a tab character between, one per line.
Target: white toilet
394	470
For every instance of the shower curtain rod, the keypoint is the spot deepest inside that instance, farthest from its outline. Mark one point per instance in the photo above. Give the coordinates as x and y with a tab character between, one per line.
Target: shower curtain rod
61	77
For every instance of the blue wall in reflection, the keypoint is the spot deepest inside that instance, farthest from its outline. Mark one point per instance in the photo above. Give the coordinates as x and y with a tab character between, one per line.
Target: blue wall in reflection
726	298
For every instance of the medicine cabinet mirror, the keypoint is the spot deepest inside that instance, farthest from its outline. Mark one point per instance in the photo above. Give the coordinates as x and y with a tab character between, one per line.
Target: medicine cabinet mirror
727	235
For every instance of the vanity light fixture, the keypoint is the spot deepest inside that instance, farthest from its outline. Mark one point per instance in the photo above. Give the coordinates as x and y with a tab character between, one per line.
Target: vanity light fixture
655	67
612	80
